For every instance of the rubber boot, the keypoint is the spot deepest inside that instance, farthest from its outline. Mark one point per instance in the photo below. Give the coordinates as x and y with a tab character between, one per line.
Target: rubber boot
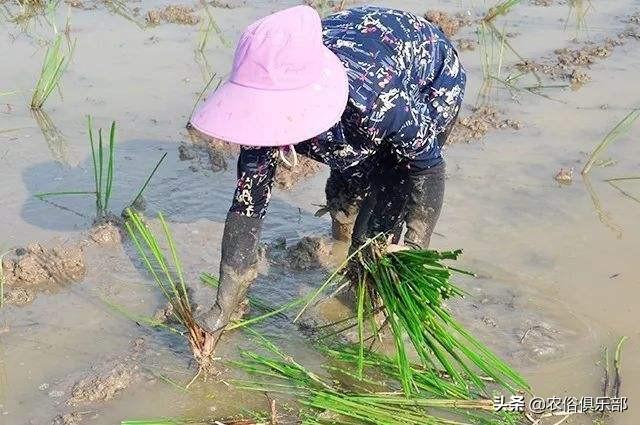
238	269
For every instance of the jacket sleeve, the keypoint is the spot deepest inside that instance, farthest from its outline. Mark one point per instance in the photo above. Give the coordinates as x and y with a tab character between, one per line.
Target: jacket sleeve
256	174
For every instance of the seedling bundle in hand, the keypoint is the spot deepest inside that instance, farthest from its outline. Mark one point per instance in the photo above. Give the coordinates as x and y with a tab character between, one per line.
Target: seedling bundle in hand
169	277
409	288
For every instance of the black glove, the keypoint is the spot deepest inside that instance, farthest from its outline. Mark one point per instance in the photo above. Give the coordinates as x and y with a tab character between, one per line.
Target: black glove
424	205
402	196
238	269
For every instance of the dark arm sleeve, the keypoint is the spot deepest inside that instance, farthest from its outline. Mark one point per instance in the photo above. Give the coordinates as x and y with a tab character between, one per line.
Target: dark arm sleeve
256	173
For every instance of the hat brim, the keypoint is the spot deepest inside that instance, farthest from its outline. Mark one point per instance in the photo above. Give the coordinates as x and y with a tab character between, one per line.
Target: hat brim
256	117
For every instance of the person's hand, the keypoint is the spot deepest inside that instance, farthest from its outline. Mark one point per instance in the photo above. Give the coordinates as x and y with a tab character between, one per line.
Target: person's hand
392	247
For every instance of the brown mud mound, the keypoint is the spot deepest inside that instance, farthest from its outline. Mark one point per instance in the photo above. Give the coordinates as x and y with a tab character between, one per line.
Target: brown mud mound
205	153
104	382
478	124
106	234
466	44
173	14
310	252
39	269
571	63
449	24
288	177
101	382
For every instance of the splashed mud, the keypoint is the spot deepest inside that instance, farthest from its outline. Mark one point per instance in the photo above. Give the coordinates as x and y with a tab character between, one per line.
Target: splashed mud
476	125
215	155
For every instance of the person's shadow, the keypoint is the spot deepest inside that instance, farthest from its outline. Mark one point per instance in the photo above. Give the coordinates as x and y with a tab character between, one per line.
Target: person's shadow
183	191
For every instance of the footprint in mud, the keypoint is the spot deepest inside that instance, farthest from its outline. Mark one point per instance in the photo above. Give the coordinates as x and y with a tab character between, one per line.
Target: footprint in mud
28	271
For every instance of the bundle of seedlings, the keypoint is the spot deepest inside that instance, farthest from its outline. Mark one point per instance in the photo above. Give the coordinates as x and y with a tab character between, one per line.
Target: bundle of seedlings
165	267
343	398
168	275
408	288
54	65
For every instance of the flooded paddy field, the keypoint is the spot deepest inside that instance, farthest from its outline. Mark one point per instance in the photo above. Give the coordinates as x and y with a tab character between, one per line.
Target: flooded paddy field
555	253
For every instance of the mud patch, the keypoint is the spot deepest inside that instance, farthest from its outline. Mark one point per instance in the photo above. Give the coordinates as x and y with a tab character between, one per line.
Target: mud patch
101	382
466	44
36	268
106	234
571	63
545	3
173	14
206	153
479	123
288	177
518	331
449	24
309	253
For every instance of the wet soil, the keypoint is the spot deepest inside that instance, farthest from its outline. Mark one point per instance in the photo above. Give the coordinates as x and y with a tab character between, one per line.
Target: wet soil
572	63
548	313
478	123
35	268
450	24
205	153
102	381
173	14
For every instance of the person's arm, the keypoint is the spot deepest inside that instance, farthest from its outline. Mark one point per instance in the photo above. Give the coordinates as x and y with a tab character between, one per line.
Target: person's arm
243	226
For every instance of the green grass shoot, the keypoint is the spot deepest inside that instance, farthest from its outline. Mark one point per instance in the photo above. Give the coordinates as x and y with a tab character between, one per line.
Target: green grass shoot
103	157
579	9
119	7
616	184
103	160
165	267
53	67
500	9
616	132
148	180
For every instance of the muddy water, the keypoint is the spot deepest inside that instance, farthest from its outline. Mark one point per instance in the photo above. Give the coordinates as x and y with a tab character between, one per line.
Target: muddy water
549	268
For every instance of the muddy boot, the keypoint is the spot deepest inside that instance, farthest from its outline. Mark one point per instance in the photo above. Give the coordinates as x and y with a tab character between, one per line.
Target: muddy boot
231	303
238	269
424	205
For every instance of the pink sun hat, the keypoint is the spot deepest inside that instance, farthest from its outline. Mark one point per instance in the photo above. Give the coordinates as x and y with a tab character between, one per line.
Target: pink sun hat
285	86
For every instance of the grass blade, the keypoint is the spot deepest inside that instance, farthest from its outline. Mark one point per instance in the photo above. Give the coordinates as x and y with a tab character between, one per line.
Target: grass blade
622	127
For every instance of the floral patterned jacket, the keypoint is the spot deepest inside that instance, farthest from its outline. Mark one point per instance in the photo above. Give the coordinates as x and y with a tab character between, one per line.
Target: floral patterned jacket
405	87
